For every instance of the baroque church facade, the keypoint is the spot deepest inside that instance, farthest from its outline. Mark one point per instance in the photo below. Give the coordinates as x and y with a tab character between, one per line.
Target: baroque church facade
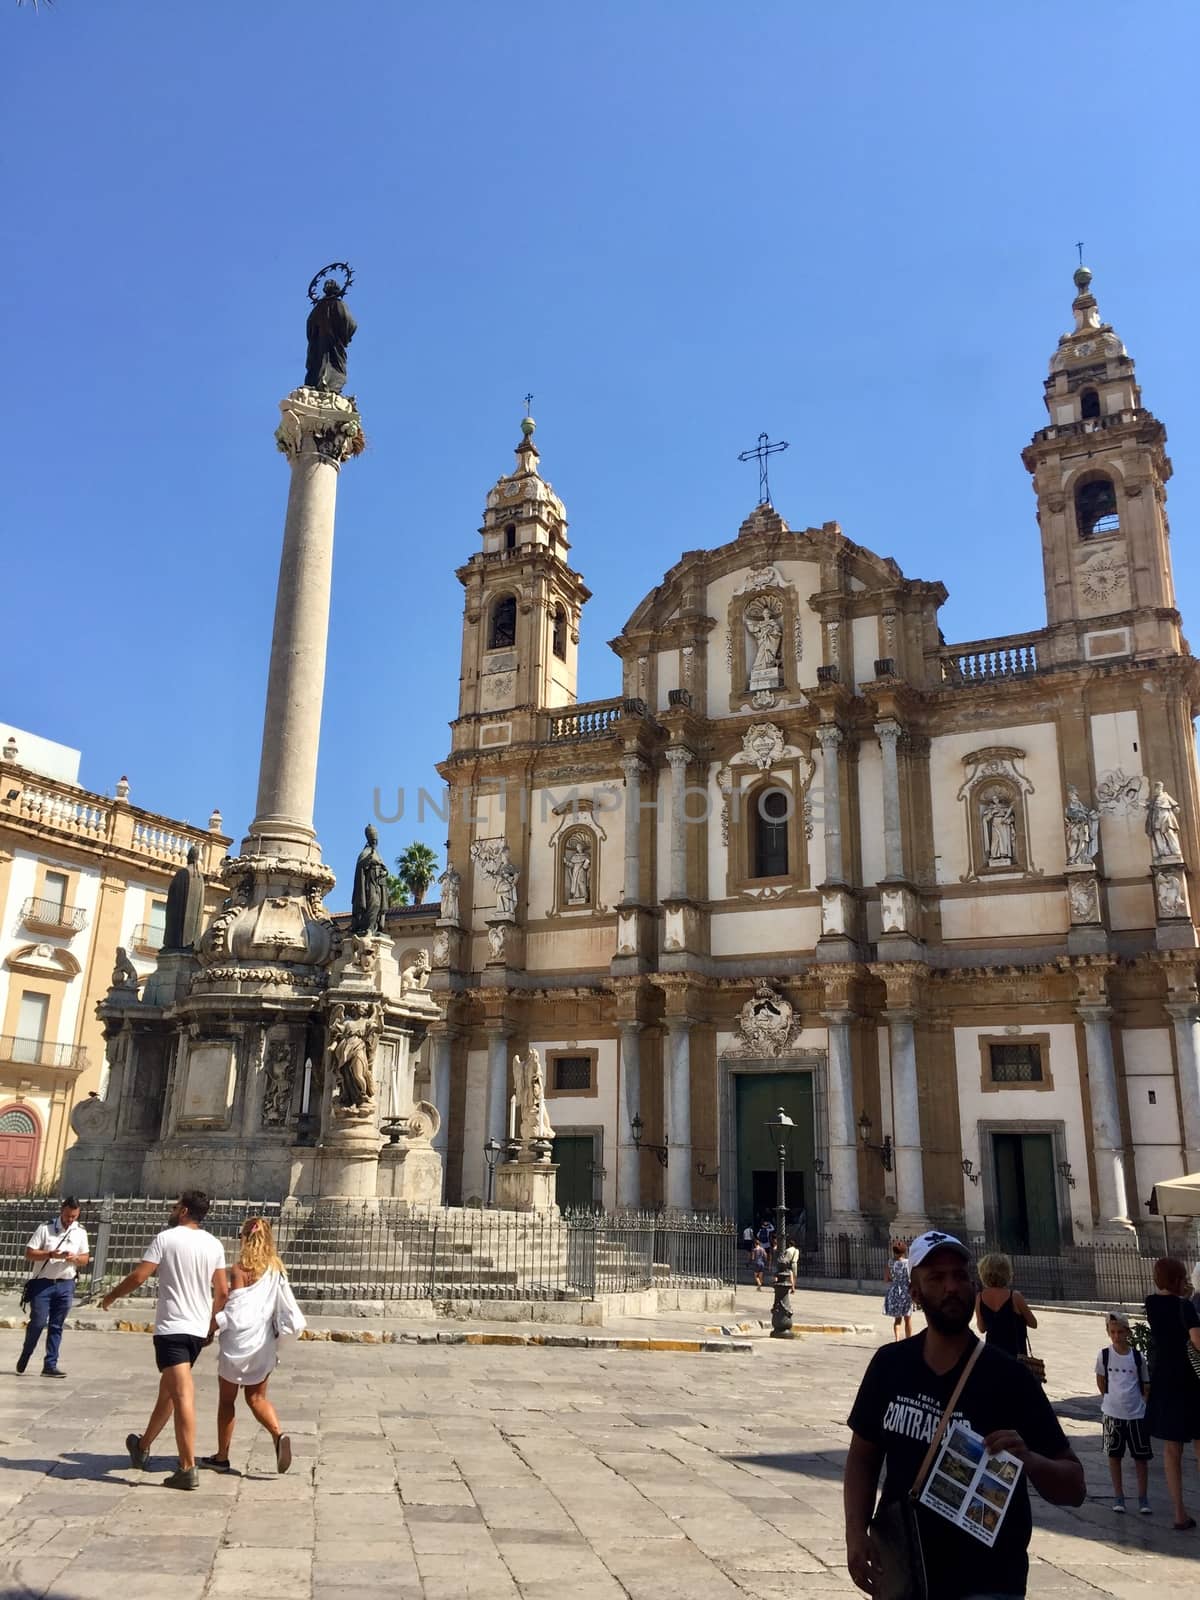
932	900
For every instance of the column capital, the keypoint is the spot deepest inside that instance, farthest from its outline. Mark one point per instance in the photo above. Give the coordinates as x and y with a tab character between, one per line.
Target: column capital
633	766
679	756
1183	1010
500	1029
1094	1011
829	735
888	729
839	1016
321	424
900	1014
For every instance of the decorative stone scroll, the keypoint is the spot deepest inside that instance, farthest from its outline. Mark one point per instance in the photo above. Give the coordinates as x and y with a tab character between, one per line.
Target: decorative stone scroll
767	1024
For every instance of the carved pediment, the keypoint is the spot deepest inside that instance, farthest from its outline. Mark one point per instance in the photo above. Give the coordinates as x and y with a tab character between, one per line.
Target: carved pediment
43	961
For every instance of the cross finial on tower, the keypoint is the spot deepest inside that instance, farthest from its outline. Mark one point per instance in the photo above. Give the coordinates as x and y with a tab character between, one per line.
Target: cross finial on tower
528	403
1079	247
760	453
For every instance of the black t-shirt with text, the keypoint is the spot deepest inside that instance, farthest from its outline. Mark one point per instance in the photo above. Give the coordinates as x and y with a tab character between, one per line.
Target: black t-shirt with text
899	1404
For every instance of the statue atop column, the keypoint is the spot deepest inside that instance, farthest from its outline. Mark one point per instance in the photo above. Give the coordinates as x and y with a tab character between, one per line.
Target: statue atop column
330	328
368	907
184	920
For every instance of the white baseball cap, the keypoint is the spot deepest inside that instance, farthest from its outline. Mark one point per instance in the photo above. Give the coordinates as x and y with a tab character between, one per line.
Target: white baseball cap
926	1243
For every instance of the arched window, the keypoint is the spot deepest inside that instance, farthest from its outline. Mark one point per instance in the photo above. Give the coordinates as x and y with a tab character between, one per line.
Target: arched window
560	632
1096	508
510	536
1089	405
502	629
769	836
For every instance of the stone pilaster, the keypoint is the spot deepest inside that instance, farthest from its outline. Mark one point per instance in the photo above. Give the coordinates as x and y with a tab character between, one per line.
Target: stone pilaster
679	758
679	1112
843	1134
629	1181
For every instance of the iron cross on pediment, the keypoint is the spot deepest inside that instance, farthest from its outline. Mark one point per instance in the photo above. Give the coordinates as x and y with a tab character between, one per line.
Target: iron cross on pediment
762	451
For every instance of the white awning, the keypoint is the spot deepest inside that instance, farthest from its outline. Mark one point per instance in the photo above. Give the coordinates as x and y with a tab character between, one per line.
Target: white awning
1178	1197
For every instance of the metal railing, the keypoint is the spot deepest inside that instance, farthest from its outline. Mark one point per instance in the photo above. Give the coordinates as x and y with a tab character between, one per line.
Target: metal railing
41	913
985	662
590	720
42	1053
148	936
337	1250
1118	1275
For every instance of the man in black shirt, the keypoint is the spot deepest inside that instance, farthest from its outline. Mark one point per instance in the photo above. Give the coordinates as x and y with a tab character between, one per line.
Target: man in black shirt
896	1413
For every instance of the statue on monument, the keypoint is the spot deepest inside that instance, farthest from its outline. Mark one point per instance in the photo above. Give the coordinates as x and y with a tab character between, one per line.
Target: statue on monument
1162	825
353	1039
184	919
124	972
1083	830
533	1122
330	328
368	907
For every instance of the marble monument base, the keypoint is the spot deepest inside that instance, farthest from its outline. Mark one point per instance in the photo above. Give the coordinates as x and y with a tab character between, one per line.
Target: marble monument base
348	1161
526	1186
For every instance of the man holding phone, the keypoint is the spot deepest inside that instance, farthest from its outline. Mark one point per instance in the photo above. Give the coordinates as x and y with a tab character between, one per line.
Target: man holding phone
59	1248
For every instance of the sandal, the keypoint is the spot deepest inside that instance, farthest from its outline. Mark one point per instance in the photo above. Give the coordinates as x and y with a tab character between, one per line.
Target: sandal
283	1454
1183	1527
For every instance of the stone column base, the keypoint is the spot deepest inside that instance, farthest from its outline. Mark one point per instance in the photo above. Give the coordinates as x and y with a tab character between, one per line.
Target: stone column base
348	1166
412	1174
526	1186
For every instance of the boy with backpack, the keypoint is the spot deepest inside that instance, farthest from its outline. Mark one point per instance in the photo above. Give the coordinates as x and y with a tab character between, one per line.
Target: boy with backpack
1121	1378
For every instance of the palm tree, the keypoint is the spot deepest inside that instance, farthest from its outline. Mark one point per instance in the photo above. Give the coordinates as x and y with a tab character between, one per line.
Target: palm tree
416	869
397	890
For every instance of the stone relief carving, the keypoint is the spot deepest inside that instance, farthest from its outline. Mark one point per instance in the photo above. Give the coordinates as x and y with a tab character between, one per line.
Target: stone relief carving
725	785
495	936
766	1024
1102	578
1083	830
891	911
1083	898
1118	794
764	744
280	1066
1162	825
489	855
996	761
533	1121
354	1032
765	577
441	948
1170	895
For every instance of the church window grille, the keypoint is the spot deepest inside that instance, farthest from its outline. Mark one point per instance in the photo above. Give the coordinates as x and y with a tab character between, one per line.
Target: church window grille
1015	1063
502	629
770	825
572	1074
1096	508
17	1122
1089	405
560	633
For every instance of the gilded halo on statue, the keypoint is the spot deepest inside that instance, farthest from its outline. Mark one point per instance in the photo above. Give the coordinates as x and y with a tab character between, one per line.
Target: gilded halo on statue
319	278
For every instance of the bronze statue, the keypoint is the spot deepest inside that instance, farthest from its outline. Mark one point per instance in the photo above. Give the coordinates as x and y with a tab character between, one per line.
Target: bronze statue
330	328
184	921
368	907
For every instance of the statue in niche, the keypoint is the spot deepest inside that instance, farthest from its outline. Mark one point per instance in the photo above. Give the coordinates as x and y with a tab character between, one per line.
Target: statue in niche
1083	830
277	1096
577	869
353	1040
449	882
533	1122
765	626
999	822
330	328
368	907
1162	825
506	889
184	920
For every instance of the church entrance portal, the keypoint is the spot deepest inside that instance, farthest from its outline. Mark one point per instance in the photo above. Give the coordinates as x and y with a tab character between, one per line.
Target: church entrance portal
757	1097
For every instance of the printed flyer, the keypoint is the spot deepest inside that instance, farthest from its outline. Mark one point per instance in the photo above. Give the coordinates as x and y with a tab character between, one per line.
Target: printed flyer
968	1487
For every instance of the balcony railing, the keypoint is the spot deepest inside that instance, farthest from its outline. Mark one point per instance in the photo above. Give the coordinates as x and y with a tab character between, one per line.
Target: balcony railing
148	937
65	812
42	1053
591	720
52	916
992	661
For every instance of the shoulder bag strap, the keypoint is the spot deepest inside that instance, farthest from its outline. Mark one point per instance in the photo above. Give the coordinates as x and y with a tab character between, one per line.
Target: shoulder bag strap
923	1473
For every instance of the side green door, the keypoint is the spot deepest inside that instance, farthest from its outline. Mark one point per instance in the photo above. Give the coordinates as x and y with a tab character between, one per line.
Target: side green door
575	1155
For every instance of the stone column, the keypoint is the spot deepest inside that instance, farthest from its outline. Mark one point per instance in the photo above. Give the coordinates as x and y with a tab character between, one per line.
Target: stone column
318	432
629	1182
440	1050
495	1122
1107	1144
1185	1019
831	739
843	1133
633	767
893	846
679	1113
680	758
906	1124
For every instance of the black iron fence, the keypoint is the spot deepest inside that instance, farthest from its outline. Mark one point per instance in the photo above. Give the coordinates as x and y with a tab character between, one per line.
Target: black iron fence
1119	1275
336	1250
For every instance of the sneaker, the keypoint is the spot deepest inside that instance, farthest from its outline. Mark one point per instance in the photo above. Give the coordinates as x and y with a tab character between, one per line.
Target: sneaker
1118	1505
137	1456
53	1372
215	1463
1144	1508
183	1478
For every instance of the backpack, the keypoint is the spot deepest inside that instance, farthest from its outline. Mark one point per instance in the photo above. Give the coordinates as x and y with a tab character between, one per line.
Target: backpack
1137	1364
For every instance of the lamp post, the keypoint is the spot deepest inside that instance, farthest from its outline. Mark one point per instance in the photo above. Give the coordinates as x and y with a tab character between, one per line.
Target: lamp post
780	1130
491	1154
661	1151
884	1150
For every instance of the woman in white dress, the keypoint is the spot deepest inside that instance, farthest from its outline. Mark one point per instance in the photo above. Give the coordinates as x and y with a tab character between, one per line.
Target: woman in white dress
259	1312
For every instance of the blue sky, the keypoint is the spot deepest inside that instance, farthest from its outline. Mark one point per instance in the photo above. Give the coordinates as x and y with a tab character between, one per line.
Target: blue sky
676	223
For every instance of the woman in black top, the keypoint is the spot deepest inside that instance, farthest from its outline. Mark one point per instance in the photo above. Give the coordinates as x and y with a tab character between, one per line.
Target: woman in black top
1174	1406
1002	1315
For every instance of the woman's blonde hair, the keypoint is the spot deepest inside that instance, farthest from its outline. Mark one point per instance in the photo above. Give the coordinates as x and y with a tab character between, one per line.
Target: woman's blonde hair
995	1271
258	1254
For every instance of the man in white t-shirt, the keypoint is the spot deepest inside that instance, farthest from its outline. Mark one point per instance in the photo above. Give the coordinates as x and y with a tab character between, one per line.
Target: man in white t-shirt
57	1248
192	1288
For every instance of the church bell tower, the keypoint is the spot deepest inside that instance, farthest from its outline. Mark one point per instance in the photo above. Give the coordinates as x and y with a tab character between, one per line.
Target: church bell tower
1100	470
520	640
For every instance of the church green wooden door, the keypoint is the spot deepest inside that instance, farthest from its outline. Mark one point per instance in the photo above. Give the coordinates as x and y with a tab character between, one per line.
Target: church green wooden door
575	1154
1026	1192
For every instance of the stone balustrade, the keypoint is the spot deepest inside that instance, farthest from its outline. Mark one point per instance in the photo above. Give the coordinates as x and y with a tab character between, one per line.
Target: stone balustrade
591	719
989	660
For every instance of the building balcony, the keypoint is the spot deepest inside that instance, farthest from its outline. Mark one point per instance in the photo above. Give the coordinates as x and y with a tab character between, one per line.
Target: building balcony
16	1051
990	660
147	938
592	719
52	916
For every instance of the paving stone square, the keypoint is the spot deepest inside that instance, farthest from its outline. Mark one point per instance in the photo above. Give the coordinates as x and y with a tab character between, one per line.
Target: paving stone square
439	1472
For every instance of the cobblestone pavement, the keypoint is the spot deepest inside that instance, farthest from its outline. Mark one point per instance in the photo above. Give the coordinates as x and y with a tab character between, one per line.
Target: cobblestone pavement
454	1471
